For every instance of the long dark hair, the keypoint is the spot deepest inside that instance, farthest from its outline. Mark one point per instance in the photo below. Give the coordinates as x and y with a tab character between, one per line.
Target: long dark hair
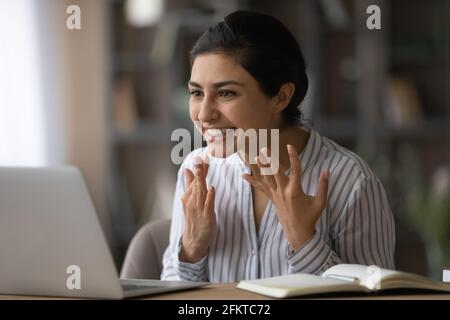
265	48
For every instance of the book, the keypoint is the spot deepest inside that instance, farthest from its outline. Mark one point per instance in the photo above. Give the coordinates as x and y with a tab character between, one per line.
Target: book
446	275
341	278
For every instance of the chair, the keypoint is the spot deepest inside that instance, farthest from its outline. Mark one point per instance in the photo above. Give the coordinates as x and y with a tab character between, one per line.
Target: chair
143	259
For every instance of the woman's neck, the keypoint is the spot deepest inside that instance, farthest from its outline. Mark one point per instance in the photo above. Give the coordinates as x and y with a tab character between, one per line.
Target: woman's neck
293	135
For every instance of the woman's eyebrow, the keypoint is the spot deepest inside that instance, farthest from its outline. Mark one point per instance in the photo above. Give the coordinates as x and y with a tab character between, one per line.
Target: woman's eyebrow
217	84
225	83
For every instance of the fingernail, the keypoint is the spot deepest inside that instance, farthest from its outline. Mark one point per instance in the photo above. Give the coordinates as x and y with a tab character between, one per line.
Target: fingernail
265	151
290	148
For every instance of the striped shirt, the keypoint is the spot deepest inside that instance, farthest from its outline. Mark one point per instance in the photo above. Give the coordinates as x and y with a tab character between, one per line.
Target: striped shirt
357	226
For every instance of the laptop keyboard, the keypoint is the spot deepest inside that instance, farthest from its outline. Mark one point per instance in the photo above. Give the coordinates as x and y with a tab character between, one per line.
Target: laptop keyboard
129	287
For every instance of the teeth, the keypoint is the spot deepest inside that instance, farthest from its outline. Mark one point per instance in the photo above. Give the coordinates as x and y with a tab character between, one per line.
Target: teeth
217	132
214	132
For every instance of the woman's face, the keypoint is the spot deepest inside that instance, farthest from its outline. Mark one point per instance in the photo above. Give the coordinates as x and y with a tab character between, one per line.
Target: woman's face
223	95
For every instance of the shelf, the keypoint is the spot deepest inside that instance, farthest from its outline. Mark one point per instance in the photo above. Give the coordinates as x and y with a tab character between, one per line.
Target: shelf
172	26
133	62
153	132
432	128
348	128
439	63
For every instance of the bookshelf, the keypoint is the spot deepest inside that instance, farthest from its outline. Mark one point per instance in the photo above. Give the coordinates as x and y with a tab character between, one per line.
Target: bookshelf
368	102
350	99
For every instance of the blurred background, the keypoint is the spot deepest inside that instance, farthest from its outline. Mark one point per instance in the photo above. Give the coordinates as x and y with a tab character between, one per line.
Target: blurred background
106	97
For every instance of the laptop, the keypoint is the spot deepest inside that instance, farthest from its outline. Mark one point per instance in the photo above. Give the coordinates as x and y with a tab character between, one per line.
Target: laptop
52	244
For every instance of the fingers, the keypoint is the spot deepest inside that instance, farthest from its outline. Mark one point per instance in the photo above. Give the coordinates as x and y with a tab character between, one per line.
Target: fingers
268	179
256	183
267	183
295	176
205	161
188	177
202	163
254	168
255	179
322	190
189	186
210	196
277	173
263	161
200	182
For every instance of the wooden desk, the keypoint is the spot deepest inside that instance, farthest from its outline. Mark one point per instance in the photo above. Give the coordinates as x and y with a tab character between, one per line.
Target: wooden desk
228	291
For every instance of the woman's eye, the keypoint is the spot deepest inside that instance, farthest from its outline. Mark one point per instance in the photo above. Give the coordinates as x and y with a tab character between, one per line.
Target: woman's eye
226	93
196	93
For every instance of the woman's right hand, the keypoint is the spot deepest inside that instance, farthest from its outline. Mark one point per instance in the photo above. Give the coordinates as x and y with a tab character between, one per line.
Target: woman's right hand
200	225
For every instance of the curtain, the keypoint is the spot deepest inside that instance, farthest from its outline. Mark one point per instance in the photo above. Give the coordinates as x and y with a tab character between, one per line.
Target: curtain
22	133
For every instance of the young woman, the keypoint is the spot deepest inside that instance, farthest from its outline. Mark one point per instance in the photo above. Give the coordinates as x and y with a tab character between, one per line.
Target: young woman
230	222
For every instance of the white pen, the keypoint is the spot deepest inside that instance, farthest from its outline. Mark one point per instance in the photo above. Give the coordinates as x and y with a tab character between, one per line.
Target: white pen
344	278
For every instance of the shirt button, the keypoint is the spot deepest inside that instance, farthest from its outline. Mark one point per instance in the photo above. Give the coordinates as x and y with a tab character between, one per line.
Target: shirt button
253	251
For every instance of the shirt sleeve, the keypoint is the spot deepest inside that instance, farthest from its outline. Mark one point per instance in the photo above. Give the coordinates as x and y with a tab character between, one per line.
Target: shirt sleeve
173	268
363	234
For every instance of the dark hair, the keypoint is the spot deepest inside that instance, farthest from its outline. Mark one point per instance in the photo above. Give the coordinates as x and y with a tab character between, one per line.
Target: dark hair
264	48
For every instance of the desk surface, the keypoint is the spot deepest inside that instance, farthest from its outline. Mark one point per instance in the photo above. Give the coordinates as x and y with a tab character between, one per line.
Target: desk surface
229	291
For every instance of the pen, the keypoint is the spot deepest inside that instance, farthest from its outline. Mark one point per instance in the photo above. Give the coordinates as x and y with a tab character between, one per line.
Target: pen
344	278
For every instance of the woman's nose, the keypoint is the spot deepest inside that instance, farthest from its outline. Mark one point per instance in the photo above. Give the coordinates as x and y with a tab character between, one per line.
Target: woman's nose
208	111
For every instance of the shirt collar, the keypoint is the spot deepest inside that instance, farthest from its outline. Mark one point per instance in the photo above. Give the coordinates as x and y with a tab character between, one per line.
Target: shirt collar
311	151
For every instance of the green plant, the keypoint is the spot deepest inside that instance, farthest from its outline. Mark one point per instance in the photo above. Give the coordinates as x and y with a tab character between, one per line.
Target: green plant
427	207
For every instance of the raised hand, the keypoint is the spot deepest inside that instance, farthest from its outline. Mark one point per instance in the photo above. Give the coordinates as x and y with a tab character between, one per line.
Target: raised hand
297	212
200	225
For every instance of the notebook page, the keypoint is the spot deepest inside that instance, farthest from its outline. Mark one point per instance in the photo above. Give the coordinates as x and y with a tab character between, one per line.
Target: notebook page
297	284
376	278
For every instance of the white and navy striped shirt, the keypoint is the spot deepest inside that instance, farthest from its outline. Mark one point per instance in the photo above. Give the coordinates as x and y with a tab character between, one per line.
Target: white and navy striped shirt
357	226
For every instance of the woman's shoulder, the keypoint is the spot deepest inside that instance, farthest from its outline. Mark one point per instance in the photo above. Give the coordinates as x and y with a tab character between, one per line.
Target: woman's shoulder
344	163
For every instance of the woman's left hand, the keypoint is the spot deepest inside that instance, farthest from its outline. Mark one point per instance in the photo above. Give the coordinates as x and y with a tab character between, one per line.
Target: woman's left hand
297	212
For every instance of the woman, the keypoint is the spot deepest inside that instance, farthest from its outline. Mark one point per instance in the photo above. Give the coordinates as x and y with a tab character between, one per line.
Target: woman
231	222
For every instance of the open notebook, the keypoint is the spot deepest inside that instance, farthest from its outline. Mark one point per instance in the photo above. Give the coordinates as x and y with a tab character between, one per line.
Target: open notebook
341	278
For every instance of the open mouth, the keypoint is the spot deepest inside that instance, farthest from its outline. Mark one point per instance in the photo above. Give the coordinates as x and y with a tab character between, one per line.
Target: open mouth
217	134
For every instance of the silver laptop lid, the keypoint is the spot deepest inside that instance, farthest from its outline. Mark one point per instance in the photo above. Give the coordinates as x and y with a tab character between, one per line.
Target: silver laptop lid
51	242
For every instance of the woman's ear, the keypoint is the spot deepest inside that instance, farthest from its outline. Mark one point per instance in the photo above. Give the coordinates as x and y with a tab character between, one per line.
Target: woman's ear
283	97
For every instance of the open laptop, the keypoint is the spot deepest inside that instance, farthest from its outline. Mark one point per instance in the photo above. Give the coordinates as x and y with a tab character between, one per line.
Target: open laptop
51	242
